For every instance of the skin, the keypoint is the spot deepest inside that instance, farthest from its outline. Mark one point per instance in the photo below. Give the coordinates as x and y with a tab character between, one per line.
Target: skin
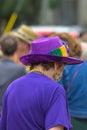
58	69
59	127
23	48
84	37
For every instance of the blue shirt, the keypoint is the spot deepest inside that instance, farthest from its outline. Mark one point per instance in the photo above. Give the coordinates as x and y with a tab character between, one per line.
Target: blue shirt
34	102
77	89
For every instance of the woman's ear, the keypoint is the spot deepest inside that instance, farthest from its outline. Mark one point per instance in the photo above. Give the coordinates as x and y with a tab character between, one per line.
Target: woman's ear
58	67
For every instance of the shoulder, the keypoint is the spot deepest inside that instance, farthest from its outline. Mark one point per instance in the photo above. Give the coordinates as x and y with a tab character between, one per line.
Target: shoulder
69	68
15	84
60	90
53	87
20	68
84	63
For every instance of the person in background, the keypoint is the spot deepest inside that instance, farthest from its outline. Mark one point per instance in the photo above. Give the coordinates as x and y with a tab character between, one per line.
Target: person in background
83	41
74	80
36	101
9	70
75	49
1	54
83	36
84	51
25	36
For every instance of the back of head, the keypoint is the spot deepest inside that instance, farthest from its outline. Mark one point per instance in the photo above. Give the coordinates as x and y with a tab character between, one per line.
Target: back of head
8	45
74	45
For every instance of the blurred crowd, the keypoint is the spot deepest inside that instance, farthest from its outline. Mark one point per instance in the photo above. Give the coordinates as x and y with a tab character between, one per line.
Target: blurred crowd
17	43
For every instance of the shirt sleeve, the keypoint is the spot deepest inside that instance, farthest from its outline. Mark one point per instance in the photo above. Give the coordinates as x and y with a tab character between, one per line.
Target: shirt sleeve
58	111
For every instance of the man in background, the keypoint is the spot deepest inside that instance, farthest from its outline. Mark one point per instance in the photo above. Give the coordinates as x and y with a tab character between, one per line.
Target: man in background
83	40
25	36
9	70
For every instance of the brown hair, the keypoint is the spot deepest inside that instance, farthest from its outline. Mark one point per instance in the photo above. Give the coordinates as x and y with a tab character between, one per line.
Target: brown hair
74	45
46	66
8	44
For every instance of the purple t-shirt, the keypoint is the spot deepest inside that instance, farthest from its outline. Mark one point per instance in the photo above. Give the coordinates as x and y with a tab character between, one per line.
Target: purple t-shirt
34	102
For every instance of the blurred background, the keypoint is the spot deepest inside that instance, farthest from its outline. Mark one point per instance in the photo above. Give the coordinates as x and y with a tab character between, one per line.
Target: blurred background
66	15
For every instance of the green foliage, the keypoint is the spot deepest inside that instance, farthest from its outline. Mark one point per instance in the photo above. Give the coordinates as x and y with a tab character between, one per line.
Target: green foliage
8	7
54	3
28	11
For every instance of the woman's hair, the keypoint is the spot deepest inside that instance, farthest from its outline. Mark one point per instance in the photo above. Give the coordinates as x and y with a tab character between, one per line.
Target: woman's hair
46	66
74	45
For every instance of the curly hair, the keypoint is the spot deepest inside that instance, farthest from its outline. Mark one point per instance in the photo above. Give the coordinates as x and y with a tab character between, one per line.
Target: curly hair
74	45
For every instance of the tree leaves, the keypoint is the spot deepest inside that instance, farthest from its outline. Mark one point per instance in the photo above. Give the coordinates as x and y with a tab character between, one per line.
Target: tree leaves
55	3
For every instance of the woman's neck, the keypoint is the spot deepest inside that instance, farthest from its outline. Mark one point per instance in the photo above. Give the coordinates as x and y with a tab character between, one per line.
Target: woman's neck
49	73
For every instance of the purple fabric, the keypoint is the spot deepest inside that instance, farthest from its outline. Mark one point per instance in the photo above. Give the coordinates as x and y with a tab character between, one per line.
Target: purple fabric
44	45
35	58
34	102
40	52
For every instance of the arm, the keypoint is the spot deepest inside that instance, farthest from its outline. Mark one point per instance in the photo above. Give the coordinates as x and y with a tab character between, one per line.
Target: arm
59	127
57	116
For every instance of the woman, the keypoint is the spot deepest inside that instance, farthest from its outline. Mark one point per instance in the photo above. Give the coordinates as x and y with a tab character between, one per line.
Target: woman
74	80
36	101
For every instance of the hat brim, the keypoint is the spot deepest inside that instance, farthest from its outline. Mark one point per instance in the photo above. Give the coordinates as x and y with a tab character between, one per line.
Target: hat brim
35	58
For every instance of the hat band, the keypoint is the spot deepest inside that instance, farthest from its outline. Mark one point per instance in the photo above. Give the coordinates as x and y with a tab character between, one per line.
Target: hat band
60	51
24	36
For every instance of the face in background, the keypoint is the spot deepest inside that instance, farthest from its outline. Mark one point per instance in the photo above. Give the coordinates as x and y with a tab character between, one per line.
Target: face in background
1	55
23	48
84	37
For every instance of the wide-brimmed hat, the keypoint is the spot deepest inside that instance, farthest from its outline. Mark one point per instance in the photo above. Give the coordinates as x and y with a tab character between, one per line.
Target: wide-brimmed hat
51	49
25	33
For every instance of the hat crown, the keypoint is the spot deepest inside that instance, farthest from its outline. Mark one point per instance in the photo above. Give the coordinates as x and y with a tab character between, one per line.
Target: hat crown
45	45
27	31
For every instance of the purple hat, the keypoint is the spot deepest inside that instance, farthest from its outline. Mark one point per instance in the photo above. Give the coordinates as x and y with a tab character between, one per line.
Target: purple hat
50	49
